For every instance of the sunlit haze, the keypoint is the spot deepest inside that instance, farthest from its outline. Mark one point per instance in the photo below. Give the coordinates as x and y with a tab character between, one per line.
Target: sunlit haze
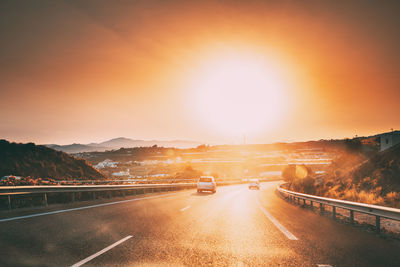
209	71
238	94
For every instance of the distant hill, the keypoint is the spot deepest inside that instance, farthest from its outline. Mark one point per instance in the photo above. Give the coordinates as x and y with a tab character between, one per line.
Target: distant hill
76	148
122	142
41	161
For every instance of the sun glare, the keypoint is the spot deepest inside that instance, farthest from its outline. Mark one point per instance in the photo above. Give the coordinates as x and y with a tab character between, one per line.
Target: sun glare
238	95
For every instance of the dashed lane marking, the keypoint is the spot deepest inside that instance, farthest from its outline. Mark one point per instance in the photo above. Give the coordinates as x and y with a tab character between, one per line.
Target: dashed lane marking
101	252
185	208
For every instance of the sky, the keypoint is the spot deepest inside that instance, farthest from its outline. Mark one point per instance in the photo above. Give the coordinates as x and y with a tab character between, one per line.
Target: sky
217	72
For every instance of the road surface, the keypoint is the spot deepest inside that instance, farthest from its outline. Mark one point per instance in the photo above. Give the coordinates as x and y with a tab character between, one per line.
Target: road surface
234	227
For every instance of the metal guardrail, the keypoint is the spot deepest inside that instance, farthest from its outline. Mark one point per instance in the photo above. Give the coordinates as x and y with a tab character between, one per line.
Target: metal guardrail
374	210
13	196
126	181
84	188
26	196
134	181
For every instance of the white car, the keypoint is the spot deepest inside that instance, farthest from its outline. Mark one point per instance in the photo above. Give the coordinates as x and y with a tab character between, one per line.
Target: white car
206	183
254	184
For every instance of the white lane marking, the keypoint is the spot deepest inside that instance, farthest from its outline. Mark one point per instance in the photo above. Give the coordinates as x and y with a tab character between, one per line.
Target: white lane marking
276	223
82	208
324	265
100	252
185	208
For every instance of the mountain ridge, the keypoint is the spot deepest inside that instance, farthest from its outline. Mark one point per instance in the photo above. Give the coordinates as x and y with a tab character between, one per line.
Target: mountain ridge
121	142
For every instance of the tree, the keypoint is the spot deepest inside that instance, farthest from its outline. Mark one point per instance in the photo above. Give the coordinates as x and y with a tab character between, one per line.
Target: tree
289	173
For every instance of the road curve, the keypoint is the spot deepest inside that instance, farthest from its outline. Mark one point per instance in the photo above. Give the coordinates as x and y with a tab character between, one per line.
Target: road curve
234	227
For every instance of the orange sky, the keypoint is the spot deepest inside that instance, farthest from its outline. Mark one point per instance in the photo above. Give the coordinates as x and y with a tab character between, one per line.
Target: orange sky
87	71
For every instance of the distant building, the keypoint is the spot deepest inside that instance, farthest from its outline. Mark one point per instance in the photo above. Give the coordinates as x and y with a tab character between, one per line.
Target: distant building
122	174
106	163
389	139
10	177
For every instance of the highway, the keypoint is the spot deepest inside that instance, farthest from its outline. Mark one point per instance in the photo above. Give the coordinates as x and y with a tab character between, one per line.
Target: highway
234	227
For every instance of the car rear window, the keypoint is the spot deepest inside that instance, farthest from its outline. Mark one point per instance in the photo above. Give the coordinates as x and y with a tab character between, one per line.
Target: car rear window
207	180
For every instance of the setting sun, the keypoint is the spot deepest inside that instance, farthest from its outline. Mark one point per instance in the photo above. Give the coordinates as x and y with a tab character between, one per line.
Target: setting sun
239	94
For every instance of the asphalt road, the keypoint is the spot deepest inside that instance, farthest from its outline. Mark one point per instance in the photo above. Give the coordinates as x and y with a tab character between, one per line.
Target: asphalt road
234	227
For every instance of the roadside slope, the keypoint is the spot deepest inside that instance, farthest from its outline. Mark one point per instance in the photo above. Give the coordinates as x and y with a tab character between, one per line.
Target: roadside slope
40	161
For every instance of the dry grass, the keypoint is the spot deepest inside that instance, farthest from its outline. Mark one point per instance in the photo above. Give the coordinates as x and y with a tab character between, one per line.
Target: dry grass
354	177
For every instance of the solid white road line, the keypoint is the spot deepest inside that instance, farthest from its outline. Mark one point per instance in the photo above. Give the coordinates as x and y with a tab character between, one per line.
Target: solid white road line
82	208
100	252
276	223
185	208
324	265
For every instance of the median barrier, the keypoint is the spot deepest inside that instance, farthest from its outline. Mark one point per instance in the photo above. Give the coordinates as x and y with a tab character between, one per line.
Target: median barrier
14	197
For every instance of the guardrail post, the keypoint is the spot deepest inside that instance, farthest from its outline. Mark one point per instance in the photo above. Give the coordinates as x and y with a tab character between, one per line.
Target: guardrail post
9	202
73	197
123	193
94	194
45	199
378	224
346	205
